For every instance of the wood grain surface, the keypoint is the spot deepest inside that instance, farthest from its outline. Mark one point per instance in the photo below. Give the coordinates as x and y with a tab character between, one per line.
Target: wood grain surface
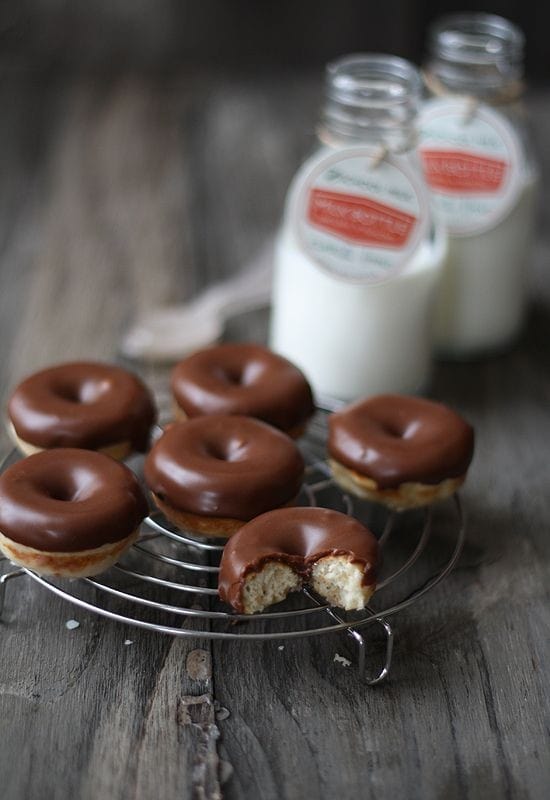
116	194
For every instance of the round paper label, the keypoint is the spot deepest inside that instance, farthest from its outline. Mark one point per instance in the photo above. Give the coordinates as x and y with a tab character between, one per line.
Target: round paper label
472	162
359	217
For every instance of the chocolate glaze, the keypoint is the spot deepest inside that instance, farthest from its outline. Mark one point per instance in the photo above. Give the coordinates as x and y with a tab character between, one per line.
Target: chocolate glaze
68	500
395	439
82	404
297	537
224	466
243	379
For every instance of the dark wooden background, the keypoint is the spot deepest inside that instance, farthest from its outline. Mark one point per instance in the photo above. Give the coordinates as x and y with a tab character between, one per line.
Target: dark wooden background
248	34
136	185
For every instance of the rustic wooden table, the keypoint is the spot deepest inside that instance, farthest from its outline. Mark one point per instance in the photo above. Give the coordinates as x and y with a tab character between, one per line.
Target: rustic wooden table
116	194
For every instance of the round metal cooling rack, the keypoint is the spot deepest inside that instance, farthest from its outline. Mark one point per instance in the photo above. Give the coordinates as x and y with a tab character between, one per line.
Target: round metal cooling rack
167	582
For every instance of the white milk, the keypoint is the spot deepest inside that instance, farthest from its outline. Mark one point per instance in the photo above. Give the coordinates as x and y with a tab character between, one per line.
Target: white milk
482	297
480	170
353	340
356	262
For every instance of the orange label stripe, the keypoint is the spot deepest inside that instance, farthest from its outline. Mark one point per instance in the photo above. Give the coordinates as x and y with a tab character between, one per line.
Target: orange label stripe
456	171
359	219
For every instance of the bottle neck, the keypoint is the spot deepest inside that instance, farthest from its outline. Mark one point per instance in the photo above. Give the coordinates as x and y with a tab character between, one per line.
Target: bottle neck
370	99
480	55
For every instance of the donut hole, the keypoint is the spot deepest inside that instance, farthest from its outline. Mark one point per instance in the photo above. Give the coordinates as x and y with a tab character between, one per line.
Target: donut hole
61	493
56	489
229	450
69	393
84	392
232	375
240	374
393	430
400	430
72	486
216	450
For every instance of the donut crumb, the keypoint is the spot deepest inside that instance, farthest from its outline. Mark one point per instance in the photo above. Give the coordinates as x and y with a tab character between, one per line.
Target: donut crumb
340	582
268	586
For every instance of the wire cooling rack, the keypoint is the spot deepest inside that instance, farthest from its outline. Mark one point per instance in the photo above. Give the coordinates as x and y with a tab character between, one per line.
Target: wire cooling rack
167	582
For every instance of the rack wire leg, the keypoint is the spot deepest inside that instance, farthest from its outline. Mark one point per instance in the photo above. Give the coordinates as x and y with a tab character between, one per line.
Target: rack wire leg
16	573
362	650
360	642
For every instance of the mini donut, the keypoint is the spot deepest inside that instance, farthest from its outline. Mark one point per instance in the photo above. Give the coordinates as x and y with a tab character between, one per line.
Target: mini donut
278	552
243	379
69	512
403	452
82	404
212	474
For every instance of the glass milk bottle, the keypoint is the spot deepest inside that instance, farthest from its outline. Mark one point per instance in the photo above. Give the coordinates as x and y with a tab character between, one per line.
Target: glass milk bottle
357	258
482	178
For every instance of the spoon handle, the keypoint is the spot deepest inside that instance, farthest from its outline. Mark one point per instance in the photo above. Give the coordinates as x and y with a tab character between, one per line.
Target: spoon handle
250	288
170	333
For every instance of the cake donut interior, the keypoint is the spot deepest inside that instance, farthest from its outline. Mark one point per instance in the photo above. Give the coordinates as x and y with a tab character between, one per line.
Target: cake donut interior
280	551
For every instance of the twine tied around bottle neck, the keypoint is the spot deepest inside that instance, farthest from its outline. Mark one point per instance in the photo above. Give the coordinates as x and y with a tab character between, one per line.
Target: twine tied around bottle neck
507	95
381	150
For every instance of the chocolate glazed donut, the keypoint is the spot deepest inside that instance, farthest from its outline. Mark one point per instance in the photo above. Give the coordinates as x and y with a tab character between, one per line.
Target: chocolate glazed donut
243	379
213	473
279	551
402	451
82	404
68	511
